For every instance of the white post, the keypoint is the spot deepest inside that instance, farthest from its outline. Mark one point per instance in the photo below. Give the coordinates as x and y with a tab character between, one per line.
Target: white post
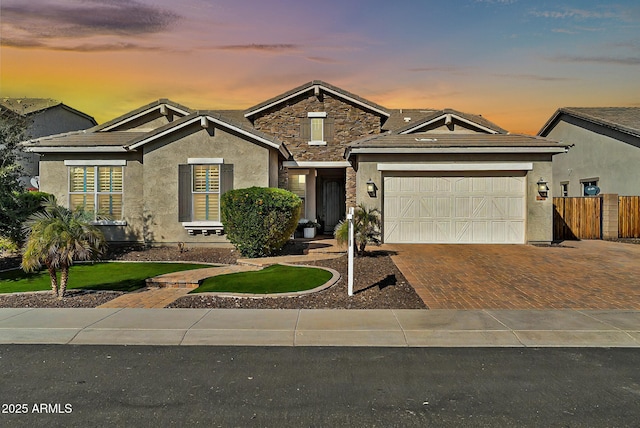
350	252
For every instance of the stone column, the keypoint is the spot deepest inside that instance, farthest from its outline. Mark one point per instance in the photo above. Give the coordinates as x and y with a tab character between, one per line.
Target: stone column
350	188
609	216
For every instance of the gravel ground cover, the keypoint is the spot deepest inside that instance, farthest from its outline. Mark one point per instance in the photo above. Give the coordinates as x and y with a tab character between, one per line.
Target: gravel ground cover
378	283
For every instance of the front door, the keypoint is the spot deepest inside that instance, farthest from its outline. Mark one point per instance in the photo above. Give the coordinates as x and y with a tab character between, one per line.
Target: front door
332	196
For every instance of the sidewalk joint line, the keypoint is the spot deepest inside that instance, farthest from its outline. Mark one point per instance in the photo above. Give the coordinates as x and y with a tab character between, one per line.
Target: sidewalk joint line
93	323
404	334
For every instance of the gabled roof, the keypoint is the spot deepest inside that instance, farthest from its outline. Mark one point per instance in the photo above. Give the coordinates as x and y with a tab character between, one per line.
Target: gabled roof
453	143
93	140
81	141
204	117
475	121
401	118
142	111
27	106
622	119
317	85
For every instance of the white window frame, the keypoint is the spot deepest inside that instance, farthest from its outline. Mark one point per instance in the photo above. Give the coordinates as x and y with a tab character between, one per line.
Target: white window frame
588	182
564	189
321	116
95	165
194	192
300	173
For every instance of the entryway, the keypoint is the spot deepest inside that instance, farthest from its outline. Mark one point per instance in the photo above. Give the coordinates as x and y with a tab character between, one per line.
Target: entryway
330	198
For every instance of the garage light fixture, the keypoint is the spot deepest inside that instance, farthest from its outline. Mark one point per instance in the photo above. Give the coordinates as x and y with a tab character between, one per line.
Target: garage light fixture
543	189
371	188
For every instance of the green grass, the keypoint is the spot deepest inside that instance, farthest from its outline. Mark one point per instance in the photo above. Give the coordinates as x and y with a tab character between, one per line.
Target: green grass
273	279
99	276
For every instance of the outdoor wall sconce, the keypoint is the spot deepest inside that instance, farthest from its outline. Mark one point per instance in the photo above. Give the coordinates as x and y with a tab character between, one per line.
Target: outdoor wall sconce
543	189
371	188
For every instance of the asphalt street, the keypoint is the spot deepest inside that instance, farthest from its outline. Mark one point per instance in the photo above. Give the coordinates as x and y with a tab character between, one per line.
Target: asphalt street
53	385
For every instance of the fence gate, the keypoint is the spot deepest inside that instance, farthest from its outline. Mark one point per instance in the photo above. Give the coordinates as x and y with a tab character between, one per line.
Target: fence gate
629	216
577	218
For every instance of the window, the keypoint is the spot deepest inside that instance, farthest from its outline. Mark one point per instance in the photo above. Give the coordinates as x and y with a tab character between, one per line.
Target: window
317	128
587	183
564	189
97	189
206	192
298	186
201	183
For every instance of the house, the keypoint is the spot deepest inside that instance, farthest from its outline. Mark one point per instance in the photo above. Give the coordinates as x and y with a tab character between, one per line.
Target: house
434	184
43	117
158	171
604	150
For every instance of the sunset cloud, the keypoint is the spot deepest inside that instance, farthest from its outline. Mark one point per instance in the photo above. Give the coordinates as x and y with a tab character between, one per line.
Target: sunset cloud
533	77
574	13
322	60
446	69
255	47
597	59
34	22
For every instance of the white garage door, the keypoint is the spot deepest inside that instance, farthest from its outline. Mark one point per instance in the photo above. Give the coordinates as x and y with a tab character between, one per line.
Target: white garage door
476	209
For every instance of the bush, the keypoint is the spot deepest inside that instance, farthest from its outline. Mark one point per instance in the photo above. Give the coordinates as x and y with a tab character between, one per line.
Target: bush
24	205
366	229
259	220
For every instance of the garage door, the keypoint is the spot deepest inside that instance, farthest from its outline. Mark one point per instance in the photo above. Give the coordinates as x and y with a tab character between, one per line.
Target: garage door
475	209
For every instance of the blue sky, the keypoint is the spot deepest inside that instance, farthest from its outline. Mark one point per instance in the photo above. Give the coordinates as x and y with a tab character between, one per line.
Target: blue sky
513	61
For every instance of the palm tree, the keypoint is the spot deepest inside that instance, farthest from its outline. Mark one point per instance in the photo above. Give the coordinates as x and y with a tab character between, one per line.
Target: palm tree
366	224
56	237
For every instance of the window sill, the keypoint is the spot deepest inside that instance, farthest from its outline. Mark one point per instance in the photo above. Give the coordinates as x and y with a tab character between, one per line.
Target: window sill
204	227
317	143
109	223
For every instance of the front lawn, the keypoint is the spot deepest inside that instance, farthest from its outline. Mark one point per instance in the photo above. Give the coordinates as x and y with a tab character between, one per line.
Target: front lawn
273	279
98	276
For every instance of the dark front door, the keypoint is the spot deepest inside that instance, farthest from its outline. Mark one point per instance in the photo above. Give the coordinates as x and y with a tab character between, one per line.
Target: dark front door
331	198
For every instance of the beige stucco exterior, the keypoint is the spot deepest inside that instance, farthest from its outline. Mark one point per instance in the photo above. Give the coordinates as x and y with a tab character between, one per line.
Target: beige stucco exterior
539	218
609	158
150	199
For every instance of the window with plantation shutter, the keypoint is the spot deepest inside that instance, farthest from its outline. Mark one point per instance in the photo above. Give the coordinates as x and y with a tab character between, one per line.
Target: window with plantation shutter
97	189
201	183
206	192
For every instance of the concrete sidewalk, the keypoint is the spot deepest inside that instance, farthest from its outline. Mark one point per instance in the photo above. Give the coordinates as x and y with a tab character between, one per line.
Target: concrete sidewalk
332	327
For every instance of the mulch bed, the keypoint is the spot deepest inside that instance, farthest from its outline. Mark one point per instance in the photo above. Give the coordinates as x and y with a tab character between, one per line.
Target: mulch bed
378	284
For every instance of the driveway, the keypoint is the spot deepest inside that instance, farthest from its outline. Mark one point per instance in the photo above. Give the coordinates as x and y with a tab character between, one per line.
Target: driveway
575	275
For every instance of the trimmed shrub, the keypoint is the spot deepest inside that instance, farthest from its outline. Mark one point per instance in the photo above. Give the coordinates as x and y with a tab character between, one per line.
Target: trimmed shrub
259	220
24	205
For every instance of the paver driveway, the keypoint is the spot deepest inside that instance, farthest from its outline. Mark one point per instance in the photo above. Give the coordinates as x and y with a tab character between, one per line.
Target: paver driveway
576	275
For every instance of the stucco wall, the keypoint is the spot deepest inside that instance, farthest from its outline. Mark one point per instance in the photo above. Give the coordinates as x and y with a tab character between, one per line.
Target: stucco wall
54	120
151	182
161	160
539	226
54	179
613	162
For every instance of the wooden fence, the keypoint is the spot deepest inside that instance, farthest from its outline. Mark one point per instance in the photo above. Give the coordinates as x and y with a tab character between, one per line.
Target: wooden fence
629	216
577	218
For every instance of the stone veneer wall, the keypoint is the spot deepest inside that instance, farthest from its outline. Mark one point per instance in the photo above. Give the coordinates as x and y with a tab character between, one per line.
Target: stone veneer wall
351	123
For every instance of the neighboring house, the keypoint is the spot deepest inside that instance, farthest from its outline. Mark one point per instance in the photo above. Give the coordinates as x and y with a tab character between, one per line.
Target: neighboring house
159	171
43	117
604	150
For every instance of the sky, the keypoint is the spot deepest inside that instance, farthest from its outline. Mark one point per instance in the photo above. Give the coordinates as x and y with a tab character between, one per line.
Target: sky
513	61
